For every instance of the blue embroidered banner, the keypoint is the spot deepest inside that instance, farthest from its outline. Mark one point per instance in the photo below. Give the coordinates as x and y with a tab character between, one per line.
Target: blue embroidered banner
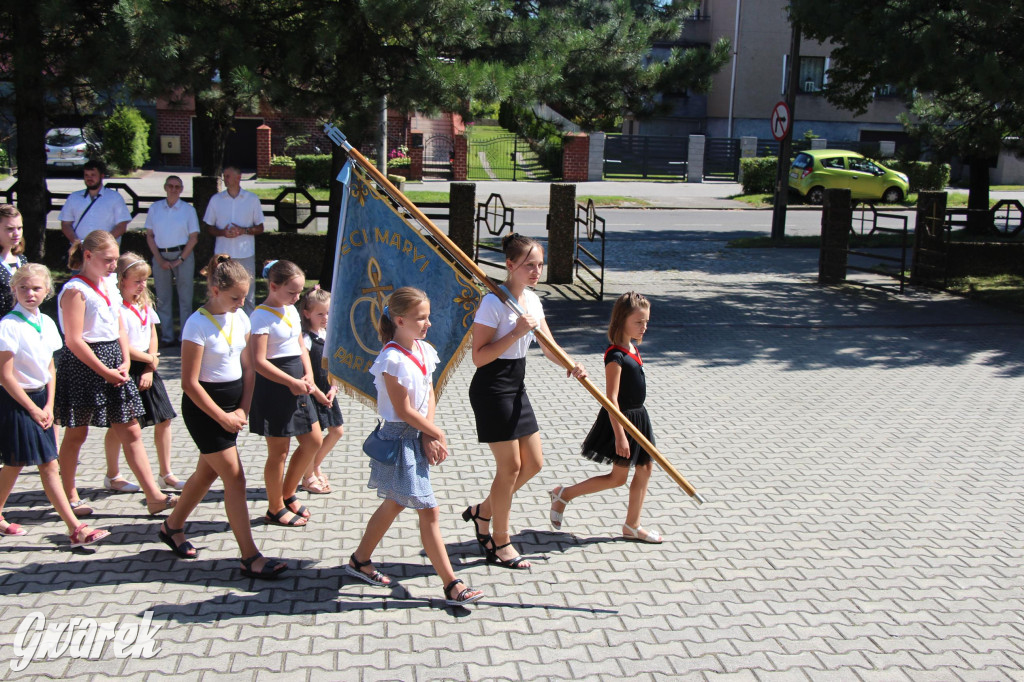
377	252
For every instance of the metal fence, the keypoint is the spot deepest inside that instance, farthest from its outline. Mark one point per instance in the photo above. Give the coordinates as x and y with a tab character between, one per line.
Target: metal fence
646	156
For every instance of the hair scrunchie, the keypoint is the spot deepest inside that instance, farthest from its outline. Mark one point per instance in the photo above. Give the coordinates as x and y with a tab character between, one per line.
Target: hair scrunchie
266	268
387	312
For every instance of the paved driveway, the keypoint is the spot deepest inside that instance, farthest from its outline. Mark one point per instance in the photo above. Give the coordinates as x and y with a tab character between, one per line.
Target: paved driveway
859	453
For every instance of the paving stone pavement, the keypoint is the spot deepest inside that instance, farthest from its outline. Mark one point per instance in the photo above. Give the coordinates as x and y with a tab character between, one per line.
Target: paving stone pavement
859	452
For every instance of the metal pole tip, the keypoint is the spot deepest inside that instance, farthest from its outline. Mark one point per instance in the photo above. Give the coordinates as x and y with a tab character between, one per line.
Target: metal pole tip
700	498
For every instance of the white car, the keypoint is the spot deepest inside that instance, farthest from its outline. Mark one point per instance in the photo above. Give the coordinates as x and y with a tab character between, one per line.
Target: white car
66	147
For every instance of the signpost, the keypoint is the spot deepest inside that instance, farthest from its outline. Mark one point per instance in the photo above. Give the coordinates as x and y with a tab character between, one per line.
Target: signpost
780	121
782	130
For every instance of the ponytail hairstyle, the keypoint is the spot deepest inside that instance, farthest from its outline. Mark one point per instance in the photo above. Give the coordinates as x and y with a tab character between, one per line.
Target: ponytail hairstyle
278	272
97	240
516	246
625	305
315	296
223	272
399	303
133	264
33	270
7	212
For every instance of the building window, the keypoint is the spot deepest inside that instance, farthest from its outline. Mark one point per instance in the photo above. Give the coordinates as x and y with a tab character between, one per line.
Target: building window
813	74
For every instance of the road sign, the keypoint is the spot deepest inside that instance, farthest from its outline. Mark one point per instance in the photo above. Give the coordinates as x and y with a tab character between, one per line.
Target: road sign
780	121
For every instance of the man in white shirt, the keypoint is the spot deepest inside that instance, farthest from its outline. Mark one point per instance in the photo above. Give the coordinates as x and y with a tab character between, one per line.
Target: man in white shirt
94	208
172	232
235	217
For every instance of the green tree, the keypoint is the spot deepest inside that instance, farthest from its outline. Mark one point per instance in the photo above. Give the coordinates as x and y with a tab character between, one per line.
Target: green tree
62	55
958	62
126	139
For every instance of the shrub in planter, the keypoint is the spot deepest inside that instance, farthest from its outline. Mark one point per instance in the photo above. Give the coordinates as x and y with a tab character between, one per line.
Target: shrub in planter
759	174
313	170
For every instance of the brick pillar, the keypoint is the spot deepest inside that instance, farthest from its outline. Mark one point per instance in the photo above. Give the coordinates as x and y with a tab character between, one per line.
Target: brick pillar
929	265
416	164
836	220
561	233
575	157
819	143
462	215
695	159
460	168
263	151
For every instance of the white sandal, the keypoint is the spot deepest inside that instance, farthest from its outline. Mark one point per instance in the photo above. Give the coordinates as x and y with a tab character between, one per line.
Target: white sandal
178	485
652	536
554	516
118	484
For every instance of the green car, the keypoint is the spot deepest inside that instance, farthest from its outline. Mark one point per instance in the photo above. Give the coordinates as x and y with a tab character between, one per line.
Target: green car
816	170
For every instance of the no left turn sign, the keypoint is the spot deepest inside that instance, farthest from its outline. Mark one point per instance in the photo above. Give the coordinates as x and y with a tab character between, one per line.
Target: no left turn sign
780	121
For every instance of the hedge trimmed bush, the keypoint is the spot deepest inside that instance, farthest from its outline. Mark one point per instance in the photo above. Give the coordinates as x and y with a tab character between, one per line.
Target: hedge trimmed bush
922	175
759	174
4	160
126	139
313	170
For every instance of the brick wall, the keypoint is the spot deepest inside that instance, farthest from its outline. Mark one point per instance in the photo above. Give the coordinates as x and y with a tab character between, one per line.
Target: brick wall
460	169
176	122
575	157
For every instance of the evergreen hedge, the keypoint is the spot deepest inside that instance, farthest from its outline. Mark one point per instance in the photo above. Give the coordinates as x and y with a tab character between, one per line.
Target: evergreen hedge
313	170
759	174
126	139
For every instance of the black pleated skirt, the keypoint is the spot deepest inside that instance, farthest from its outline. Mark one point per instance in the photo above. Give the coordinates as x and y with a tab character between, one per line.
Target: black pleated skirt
599	445
155	400
500	404
275	411
22	441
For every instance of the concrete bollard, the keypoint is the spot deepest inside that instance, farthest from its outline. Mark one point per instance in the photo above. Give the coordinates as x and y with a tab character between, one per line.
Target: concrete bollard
695	159
836	221
462	216
561	233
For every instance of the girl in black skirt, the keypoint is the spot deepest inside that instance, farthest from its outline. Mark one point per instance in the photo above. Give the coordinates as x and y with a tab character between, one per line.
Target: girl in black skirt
504	417
607	442
93	386
282	405
28	341
140	320
12	246
313	307
216	382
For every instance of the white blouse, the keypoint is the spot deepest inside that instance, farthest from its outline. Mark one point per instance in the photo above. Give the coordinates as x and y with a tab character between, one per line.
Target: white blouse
140	329
493	313
282	327
101	321
222	348
393	361
33	350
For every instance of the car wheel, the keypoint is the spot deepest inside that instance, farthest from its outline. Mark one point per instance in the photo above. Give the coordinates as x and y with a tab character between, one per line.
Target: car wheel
893	195
816	195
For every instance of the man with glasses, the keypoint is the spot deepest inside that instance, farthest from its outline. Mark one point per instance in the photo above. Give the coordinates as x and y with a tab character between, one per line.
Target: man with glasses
172	232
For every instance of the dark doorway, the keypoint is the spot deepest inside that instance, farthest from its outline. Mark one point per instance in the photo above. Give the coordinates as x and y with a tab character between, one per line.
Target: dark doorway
240	149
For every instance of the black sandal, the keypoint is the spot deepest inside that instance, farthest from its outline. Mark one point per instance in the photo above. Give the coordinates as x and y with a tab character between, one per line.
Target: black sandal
465	595
275	519
302	511
271	570
472	517
377	579
181	550
515	562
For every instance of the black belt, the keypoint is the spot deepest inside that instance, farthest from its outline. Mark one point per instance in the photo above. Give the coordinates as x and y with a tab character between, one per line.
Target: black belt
173	248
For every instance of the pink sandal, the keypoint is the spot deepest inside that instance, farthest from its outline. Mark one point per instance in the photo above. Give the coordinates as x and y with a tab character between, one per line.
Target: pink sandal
11	528
78	540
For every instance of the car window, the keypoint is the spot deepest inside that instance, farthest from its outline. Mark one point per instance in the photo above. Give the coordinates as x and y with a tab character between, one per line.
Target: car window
802	161
832	162
864	166
63	140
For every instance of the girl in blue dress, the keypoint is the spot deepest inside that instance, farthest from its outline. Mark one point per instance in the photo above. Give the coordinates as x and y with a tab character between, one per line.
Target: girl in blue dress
403	375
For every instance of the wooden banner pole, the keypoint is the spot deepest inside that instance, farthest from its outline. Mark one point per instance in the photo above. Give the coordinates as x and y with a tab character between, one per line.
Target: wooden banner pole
545	340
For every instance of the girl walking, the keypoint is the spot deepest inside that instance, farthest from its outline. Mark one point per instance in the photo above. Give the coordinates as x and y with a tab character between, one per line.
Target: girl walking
140	320
217	382
504	416
93	386
282	406
313	308
607	442
403	375
28	340
12	246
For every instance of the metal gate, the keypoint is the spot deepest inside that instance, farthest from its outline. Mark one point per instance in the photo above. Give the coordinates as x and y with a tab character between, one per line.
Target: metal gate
646	156
589	256
438	156
493	216
722	158
501	157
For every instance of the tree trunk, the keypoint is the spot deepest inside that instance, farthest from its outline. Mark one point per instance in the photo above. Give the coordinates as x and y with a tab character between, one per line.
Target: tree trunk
30	115
338	159
214	120
979	219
